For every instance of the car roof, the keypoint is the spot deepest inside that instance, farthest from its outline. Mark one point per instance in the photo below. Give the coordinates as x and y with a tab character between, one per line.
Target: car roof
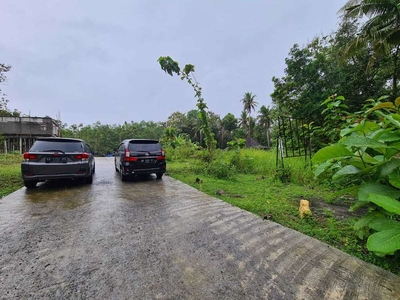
140	140
58	139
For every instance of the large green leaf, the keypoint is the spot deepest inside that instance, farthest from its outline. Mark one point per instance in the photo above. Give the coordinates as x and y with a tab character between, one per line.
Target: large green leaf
361	141
382	105
347	170
387	241
393	150
376	188
388	136
394	119
379	158
387	203
369	159
397	101
367	219
380	224
330	152
322	167
358	204
363	127
388	167
383	97
394	179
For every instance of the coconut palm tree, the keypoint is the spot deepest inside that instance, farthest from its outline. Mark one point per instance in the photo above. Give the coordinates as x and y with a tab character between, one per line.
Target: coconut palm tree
265	120
383	25
244	120
381	30
249	104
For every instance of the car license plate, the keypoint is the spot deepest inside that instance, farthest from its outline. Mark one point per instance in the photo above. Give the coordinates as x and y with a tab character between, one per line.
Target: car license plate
146	161
56	159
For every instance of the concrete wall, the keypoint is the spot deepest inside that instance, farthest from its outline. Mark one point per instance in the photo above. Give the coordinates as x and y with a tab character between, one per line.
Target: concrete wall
19	133
28	126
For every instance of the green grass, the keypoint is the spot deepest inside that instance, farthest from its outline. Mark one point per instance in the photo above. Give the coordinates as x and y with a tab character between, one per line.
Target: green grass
10	173
255	186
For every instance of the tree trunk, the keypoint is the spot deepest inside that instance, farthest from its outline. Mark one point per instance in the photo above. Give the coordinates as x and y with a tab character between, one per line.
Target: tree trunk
222	137
395	65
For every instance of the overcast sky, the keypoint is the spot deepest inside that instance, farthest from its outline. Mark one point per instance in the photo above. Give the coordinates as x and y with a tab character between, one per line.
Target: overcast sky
97	60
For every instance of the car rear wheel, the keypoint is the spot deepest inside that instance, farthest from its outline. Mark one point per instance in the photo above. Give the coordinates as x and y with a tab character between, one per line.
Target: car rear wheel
89	179
30	184
121	173
159	175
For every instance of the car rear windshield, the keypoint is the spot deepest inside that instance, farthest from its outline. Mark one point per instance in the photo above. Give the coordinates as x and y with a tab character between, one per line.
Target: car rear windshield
144	146
64	146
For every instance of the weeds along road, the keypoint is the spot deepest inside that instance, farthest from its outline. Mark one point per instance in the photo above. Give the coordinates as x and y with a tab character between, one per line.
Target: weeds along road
161	239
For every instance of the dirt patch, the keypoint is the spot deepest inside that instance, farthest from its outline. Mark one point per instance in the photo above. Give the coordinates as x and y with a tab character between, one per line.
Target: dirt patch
340	209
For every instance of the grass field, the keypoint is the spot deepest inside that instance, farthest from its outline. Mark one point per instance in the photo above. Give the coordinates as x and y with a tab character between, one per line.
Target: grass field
10	173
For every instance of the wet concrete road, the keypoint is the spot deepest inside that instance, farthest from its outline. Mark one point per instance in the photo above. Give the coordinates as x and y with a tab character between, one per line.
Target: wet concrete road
161	239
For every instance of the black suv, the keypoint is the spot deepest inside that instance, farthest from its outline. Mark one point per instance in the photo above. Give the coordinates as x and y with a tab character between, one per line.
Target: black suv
140	157
57	158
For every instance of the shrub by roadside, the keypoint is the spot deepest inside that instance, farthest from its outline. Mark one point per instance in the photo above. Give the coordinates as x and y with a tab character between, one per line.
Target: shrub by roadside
10	173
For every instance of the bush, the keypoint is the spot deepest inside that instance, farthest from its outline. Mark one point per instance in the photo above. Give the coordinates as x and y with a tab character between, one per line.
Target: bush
283	175
244	164
220	170
181	152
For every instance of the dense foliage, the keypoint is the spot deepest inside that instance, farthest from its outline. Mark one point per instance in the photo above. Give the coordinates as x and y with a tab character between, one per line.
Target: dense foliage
368	156
319	69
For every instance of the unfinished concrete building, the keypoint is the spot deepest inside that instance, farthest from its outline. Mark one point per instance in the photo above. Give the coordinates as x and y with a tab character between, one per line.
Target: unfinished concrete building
19	133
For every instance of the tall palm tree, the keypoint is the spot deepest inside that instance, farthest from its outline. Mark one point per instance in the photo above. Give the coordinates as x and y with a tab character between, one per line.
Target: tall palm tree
265	120
381	30
244	120
249	104
383	25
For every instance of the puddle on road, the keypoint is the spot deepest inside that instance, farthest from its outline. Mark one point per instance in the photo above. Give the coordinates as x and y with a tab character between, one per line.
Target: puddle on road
65	194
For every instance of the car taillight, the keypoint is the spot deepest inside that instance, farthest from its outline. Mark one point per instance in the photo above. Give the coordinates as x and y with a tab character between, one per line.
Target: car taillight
84	156
29	156
130	158
162	157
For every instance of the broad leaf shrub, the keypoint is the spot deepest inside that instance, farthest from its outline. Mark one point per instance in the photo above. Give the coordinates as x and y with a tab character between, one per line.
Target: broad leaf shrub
368	152
221	170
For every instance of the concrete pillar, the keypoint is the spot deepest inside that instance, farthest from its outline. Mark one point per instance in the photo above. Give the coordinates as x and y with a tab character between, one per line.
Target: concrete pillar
20	145
5	146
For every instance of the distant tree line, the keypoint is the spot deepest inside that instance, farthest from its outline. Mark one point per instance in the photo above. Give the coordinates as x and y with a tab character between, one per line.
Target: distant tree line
103	138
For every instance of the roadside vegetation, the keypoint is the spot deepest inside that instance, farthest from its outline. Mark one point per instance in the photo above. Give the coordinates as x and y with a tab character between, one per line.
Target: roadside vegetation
10	173
247	178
